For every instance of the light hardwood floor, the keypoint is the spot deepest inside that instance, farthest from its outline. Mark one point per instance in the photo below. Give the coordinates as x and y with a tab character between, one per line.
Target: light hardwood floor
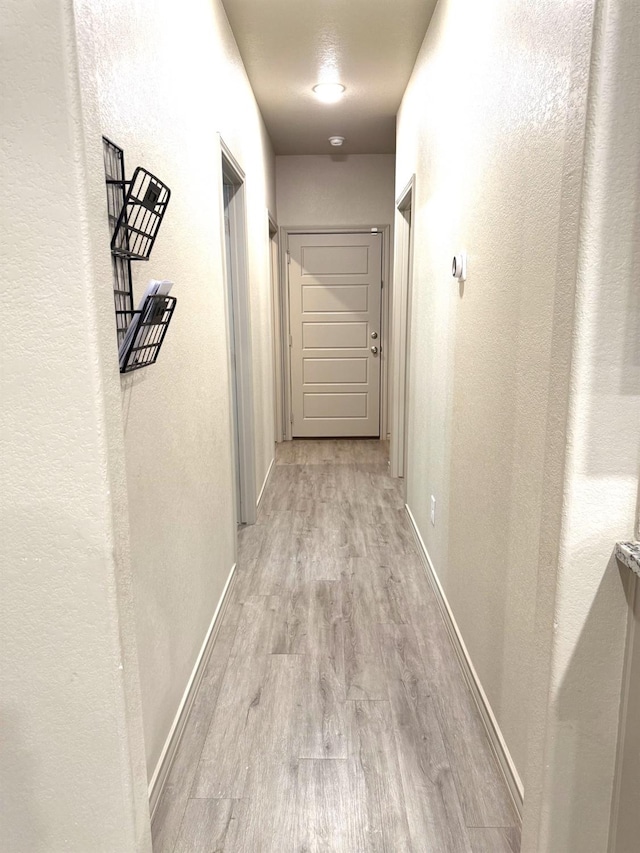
333	715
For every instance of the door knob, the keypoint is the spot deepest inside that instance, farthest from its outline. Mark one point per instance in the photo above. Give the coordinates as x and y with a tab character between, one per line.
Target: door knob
374	335
374	350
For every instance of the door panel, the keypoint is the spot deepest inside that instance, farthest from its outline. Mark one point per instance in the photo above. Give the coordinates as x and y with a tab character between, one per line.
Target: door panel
334	371
334	259
334	299
333	335
334	295
347	405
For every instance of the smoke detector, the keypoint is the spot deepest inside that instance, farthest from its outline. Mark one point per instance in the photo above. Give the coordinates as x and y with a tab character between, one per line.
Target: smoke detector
336	140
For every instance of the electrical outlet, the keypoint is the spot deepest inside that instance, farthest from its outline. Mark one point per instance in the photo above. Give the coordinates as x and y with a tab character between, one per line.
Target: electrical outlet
433	510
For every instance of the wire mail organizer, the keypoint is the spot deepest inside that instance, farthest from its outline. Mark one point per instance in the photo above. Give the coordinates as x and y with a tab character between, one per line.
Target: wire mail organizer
145	203
135	210
150	325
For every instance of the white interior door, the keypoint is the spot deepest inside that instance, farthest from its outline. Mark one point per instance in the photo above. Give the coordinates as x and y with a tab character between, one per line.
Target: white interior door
335	282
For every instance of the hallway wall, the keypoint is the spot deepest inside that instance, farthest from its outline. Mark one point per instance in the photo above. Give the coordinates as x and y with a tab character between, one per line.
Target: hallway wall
162	79
72	763
583	630
524	391
491	118
332	190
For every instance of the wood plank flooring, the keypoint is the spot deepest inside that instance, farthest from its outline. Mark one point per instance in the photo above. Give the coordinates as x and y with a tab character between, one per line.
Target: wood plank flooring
333	716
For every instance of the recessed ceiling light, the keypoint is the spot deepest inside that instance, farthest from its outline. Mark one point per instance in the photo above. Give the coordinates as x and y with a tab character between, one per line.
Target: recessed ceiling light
336	140
329	93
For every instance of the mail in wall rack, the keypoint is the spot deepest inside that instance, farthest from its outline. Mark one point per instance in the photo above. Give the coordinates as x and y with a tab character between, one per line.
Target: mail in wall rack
135	209
146	333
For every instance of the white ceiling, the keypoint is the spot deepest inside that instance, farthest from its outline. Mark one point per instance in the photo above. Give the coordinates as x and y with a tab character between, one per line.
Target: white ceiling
369	46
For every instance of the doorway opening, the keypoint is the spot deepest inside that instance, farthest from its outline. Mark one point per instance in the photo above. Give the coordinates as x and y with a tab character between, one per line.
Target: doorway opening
401	329
239	336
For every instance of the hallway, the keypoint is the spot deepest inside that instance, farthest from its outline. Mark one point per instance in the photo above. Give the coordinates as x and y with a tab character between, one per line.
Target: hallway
333	714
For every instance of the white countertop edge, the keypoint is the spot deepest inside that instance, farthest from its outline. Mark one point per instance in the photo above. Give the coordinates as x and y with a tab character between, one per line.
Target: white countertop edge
629	554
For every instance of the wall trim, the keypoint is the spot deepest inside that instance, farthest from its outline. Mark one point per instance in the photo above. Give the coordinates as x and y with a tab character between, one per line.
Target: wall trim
496	739
266	481
168	754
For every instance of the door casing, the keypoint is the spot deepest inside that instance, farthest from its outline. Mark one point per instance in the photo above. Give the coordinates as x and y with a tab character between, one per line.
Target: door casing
231	170
402	285
285	395
278	347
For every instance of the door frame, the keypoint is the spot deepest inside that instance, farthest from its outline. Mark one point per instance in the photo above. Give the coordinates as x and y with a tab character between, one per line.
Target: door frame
230	169
385	304
402	288
276	309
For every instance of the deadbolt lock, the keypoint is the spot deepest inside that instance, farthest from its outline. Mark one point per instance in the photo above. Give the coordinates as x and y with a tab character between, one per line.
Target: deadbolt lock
374	335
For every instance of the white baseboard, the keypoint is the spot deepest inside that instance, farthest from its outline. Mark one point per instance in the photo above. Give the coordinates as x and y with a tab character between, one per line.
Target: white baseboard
497	741
266	480
160	774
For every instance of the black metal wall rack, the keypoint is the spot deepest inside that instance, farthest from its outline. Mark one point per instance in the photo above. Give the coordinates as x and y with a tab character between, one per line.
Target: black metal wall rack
136	209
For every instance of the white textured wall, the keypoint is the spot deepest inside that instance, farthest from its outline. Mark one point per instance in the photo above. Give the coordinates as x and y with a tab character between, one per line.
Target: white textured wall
573	757
333	190
523	132
166	77
489	119
72	764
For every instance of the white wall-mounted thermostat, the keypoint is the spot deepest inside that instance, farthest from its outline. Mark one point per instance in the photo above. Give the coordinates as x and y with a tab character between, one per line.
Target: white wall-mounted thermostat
459	266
